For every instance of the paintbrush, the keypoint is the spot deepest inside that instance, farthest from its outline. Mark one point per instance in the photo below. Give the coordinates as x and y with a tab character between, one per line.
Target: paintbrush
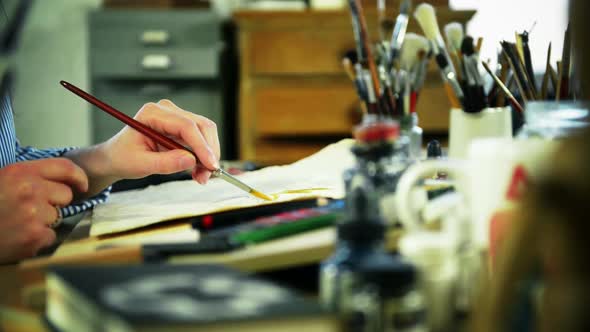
528	62
362	39
502	73
545	83
475	97
411	61
399	31
387	99
559	81
418	77
426	17
479	44
565	66
553	78
413	44
518	47
513	100
358	83
454	35
517	68
160	139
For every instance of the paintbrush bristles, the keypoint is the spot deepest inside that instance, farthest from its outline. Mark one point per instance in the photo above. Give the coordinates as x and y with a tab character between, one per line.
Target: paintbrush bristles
426	17
413	44
454	34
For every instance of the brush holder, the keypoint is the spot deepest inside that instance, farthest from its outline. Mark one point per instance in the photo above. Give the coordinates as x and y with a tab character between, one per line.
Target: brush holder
465	127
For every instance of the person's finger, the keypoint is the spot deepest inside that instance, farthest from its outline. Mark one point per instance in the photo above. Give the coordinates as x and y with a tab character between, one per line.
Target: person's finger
62	170
166	162
58	193
44	237
181	127
205	125
201	175
33	239
209	130
49	214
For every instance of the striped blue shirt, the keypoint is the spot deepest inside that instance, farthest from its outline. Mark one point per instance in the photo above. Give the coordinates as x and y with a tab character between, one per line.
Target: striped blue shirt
11	152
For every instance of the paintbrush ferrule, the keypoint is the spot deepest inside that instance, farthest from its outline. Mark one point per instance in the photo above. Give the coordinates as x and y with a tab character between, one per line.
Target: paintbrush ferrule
399	30
222	174
448	74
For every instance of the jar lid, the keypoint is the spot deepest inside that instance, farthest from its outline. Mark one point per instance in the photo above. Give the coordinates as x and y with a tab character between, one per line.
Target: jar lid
374	131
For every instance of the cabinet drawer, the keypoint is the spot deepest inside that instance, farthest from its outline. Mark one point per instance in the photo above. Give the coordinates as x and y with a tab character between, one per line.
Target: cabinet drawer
299	51
179	63
306	110
433	108
269	152
128	96
139	29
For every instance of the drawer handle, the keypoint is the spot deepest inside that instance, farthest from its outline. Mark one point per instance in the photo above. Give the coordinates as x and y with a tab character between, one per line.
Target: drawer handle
155	37
156	62
159	90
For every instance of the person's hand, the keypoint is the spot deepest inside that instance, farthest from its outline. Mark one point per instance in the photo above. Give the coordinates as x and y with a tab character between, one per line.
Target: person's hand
30	191
133	155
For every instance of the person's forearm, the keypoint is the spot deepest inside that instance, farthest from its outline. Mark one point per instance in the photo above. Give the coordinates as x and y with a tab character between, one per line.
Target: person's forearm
95	162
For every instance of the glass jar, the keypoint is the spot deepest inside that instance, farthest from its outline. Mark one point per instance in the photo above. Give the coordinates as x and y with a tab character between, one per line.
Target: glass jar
553	120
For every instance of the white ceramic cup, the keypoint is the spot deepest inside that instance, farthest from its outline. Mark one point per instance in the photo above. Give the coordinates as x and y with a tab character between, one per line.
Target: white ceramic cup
465	127
494	172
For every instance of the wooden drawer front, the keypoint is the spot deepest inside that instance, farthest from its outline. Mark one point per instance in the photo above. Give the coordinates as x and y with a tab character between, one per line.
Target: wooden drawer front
323	110
299	52
433	108
270	152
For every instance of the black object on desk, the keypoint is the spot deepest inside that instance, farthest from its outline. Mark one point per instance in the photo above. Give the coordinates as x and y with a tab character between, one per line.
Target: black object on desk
234	217
258	230
175	298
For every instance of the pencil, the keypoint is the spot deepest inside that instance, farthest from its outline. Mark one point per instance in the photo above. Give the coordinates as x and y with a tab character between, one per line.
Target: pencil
164	141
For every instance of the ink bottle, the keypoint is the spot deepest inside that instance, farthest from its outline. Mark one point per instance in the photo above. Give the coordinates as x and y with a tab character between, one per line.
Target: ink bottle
381	157
369	288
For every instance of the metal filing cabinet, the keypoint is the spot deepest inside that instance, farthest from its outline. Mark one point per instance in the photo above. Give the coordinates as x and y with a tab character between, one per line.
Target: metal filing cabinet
138	56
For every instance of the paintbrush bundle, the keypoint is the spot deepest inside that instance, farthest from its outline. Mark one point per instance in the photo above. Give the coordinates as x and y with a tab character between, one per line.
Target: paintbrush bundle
389	75
515	65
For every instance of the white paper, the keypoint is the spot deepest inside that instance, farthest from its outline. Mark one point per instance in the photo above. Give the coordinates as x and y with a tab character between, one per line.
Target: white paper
319	175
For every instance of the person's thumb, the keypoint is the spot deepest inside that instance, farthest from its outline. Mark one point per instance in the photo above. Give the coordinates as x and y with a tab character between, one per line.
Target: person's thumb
166	162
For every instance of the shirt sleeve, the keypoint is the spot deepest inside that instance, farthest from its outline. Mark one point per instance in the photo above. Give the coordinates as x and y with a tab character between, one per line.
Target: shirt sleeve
30	153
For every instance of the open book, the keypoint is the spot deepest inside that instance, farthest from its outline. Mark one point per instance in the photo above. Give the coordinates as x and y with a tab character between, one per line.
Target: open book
319	175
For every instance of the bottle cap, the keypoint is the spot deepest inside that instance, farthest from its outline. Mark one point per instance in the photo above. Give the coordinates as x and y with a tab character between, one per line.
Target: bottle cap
433	149
361	231
376	131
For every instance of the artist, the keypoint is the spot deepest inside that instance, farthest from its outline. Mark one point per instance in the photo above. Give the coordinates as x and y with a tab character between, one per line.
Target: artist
40	187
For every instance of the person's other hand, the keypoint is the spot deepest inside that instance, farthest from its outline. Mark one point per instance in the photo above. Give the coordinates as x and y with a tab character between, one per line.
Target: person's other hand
133	155
30	191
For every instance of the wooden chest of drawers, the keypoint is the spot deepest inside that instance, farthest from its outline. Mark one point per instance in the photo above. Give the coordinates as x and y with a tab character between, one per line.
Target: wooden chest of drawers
294	97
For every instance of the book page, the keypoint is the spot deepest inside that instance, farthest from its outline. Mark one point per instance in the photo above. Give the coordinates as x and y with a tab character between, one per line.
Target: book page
319	175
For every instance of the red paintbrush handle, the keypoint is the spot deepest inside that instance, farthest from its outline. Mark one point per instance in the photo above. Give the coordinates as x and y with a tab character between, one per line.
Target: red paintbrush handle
162	140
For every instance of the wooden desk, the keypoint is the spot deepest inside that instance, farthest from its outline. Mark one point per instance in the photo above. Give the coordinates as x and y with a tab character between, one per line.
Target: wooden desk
294	96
